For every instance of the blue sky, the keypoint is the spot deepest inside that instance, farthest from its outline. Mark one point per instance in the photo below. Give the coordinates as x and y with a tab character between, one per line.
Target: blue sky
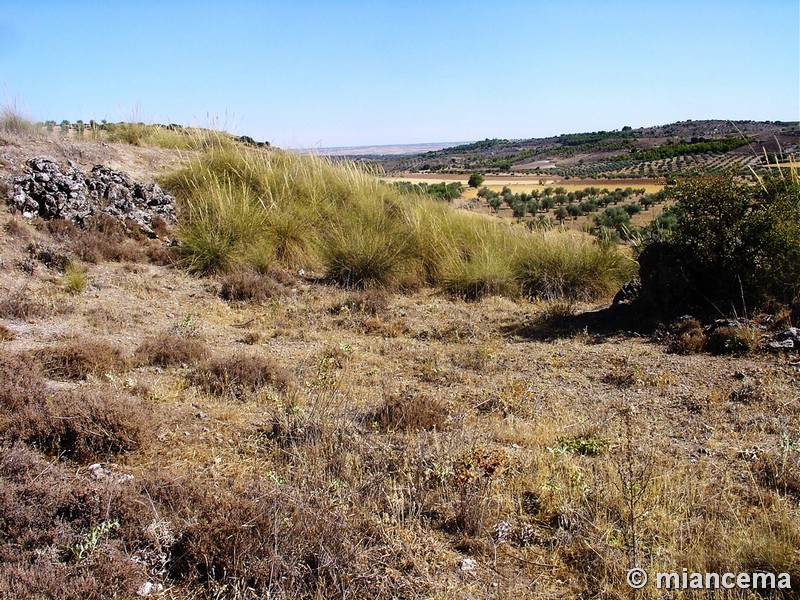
344	73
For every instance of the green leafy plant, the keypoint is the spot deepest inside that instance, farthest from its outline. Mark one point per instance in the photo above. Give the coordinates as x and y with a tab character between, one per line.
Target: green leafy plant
735	246
587	445
88	545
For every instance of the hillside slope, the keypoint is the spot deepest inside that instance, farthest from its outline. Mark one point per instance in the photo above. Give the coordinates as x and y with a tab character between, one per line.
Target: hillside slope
644	152
271	435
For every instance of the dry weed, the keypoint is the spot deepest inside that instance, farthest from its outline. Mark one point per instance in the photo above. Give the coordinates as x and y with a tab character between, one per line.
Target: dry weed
239	375
76	358
169	349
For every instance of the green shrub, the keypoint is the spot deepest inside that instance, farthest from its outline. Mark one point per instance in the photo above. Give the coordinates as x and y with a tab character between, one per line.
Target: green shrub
735	247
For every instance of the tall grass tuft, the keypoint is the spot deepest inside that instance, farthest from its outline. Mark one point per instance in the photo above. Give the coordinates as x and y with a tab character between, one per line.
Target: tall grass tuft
160	136
563	266
247	208
12	121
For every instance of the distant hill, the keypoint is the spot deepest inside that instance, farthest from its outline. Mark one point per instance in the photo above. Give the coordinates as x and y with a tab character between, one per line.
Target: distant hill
627	153
378	151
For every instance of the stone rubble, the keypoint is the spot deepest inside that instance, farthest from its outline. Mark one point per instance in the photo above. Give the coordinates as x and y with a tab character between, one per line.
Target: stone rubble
49	191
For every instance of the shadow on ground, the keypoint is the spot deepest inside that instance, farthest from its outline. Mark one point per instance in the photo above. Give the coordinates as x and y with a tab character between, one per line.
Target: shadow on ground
610	322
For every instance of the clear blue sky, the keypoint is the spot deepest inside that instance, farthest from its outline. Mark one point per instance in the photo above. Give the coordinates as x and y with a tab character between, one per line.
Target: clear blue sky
343	73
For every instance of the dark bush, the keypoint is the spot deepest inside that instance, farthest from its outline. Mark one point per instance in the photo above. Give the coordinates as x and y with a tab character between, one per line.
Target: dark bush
75	358
170	349
735	247
239	375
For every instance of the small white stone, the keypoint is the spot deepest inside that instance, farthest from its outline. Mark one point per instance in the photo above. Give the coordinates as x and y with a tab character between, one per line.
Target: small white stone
148	588
469	564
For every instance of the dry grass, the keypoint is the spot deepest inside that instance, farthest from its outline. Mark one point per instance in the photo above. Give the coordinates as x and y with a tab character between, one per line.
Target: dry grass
12	121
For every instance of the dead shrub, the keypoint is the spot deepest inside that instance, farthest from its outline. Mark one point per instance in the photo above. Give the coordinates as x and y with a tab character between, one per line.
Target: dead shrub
49	256
687	337
391	328
161	254
21	381
160	227
75	424
250	286
239	375
18	229
409	411
46	511
371	301
86	425
22	304
102	238
6	334
251	338
260	541
76	358
94	247
168	349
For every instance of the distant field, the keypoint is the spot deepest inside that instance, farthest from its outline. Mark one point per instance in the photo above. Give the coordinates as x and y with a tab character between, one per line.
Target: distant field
527	184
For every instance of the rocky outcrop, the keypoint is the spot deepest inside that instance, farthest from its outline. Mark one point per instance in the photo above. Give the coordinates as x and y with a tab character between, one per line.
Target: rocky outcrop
50	191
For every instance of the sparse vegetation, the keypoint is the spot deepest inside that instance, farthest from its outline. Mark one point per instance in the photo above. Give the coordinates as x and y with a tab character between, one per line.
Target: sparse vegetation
387	442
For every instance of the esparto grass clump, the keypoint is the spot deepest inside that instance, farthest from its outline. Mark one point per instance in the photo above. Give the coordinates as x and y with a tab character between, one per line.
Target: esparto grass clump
246	209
